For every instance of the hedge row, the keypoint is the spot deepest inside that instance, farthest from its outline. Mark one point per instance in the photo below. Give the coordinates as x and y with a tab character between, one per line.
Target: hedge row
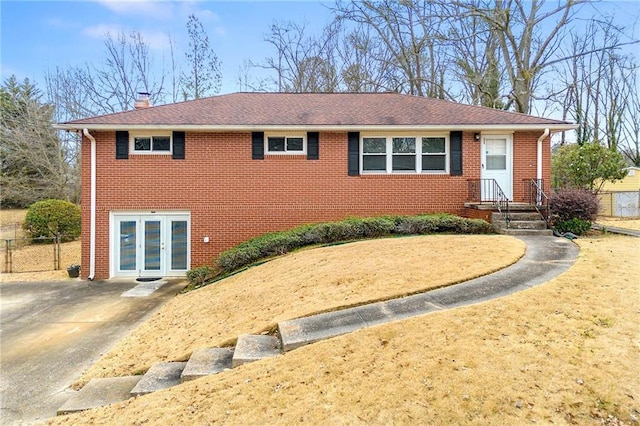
278	243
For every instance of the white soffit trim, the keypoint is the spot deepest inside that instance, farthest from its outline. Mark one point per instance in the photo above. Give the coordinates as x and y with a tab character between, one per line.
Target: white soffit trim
326	128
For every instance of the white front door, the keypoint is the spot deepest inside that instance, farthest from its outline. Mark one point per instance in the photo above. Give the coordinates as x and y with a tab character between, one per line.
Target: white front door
497	160
150	245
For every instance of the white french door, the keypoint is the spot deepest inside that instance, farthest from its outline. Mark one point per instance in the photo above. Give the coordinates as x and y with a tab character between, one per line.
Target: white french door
150	245
497	161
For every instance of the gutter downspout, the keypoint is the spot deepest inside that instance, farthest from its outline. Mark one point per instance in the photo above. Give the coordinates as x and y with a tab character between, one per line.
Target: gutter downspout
539	163
92	226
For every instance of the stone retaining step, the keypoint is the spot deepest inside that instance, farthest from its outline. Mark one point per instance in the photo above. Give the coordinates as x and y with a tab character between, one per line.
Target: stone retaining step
251	347
207	361
160	376
100	392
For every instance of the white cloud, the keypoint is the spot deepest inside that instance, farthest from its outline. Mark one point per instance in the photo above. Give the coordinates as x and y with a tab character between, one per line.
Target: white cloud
101	30
157	40
144	8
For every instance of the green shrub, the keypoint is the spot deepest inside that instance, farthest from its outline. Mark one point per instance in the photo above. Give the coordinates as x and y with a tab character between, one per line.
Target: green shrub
374	227
278	243
424	224
237	257
574	225
50	218
197	277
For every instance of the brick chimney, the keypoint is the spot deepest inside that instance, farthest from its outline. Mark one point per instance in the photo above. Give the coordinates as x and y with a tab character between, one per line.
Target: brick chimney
143	101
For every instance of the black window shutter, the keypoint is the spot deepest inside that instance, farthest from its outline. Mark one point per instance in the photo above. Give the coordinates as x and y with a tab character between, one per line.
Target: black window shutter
354	153
313	149
257	145
122	145
178	145
455	146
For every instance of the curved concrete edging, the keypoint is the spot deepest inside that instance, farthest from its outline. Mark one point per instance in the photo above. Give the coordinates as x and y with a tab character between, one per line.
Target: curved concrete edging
545	258
614	230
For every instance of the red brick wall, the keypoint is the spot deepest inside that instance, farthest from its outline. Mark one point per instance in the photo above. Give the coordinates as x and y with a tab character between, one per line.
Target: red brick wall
232	198
525	161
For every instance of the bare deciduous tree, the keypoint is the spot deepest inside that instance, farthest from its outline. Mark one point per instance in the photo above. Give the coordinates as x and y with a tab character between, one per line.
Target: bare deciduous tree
303	63
112	86
411	32
34	161
596	85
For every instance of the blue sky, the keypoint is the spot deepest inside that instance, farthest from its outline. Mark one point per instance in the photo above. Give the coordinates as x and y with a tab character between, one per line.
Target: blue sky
40	35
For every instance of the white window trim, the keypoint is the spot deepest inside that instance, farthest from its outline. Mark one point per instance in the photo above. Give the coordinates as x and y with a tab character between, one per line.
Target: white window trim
285	135
132	145
389	154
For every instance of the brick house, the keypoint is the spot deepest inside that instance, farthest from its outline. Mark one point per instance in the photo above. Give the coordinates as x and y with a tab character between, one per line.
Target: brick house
167	188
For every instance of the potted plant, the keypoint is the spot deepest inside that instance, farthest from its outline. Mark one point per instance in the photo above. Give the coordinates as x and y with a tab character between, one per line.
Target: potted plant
73	271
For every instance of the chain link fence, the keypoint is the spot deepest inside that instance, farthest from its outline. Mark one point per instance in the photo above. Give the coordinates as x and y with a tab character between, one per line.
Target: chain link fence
33	254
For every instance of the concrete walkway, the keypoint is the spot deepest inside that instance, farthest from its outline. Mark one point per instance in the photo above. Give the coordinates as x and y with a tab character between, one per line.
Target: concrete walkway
615	230
545	258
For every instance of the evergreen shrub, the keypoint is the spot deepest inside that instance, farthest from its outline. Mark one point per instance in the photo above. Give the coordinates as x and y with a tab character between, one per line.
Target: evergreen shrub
48	218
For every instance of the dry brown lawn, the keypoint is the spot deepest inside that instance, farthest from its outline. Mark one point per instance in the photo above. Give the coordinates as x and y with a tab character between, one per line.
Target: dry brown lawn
11	223
12	216
564	352
300	284
40	256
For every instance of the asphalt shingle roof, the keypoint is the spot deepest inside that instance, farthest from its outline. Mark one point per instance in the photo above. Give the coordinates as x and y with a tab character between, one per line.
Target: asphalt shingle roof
315	109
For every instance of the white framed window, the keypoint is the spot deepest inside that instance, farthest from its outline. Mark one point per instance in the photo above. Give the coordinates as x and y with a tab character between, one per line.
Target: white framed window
434	154
155	143
428	154
286	144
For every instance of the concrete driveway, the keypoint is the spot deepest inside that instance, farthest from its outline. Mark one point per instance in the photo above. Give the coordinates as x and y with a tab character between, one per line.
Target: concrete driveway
51	332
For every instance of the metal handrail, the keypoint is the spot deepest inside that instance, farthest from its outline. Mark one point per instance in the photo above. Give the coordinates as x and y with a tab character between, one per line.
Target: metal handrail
488	190
538	198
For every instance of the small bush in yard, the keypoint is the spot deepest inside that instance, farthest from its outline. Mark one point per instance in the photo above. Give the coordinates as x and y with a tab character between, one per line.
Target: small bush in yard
50	218
575	226
198	276
573	208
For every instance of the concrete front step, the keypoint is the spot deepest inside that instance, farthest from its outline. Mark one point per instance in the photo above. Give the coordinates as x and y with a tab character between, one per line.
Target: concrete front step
515	216
100	392
206	361
522	232
160	376
521	224
251	347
